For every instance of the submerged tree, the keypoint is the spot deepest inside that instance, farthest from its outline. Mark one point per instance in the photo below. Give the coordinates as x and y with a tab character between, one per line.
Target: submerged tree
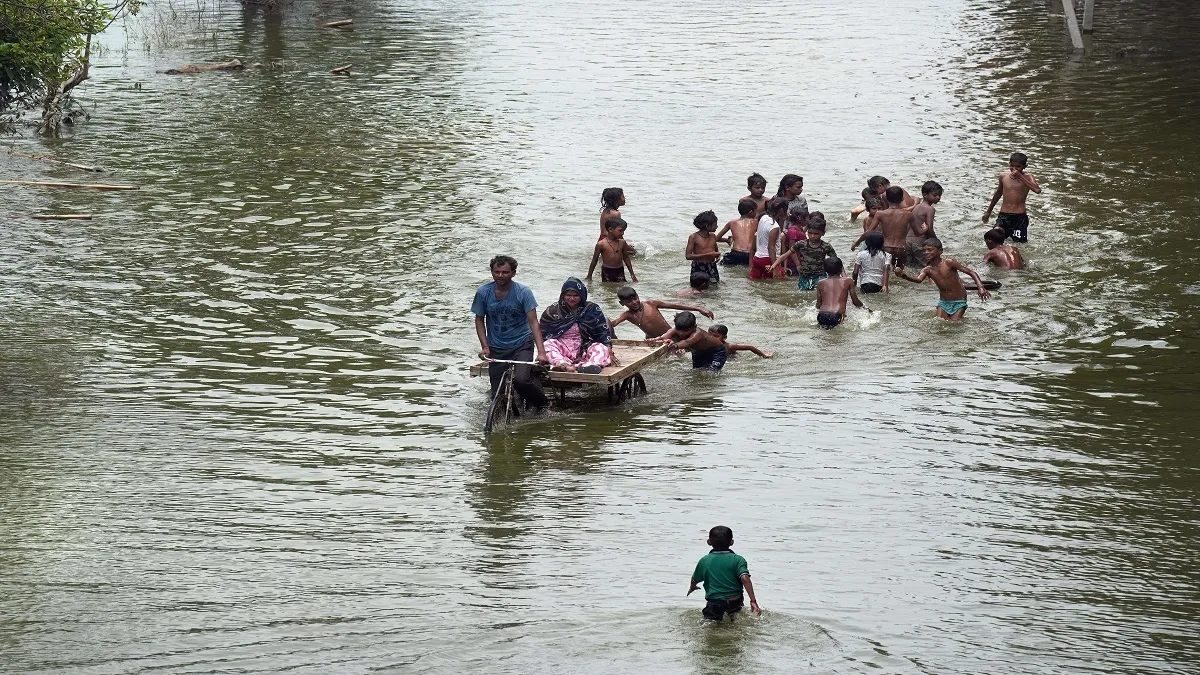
45	52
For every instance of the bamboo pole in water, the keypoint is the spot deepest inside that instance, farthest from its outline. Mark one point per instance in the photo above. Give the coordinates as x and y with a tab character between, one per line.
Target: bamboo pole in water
68	185
1072	24
337	24
63	216
44	158
1089	14
343	70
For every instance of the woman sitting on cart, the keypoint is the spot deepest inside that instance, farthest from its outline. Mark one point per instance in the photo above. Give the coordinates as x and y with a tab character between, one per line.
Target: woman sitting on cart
576	332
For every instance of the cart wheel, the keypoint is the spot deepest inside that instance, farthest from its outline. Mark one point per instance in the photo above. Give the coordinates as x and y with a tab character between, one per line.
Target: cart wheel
639	384
498	411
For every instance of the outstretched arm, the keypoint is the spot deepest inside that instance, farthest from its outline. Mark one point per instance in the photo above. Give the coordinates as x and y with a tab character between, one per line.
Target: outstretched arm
662	304
917	279
781	260
612	323
731	348
721	235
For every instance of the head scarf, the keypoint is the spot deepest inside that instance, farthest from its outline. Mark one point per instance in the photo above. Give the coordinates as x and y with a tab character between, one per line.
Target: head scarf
558	318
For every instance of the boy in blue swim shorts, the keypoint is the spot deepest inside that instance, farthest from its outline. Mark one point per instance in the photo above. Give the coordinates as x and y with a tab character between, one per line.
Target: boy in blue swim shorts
953	302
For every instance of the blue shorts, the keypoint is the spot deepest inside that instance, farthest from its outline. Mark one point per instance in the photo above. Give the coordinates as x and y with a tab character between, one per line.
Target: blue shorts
809	283
952	307
711	361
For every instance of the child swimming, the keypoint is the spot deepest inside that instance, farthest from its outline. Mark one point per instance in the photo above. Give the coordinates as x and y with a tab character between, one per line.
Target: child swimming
722	333
647	314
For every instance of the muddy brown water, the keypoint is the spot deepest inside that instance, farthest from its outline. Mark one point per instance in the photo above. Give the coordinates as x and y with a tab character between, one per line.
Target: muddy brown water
237	433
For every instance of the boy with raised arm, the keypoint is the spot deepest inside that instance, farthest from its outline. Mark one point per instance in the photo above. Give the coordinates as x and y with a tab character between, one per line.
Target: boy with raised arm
832	294
614	253
724	575
952	304
1014	187
742	230
647	315
1000	254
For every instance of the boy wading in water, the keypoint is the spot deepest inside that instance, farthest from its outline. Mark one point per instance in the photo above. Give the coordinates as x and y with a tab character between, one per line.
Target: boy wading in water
920	226
809	254
894	223
742	230
832	294
1000	254
724	575
757	186
614	252
646	314
944	272
702	247
708	351
1014	187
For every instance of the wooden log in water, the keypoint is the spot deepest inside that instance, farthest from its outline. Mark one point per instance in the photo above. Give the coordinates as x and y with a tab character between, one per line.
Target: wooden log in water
68	185
233	64
63	216
47	158
343	70
337	24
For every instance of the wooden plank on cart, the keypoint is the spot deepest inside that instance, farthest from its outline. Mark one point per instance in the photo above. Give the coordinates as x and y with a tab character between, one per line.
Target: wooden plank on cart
632	356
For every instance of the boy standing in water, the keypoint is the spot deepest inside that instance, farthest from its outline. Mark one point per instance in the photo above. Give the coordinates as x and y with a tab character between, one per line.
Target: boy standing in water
708	352
810	254
647	315
742	230
615	252
1014	187
724	575
832	294
893	222
757	186
702	247
999	254
953	302
611	201
920	226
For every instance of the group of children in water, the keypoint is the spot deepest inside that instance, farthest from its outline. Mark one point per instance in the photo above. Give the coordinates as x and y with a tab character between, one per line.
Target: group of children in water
779	237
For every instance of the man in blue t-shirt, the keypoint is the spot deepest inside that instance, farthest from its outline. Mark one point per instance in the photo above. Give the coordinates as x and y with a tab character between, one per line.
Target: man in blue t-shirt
507	325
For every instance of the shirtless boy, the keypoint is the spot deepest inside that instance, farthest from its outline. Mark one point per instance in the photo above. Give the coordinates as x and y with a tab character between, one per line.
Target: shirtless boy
757	186
702	247
615	253
920	226
893	222
832	294
647	315
708	351
742	231
722	333
952	304
1000	254
1014	187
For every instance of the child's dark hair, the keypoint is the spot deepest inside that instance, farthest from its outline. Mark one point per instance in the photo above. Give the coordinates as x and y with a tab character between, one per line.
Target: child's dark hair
786	182
875	203
934	242
931	187
1019	159
626	294
777	204
720	329
611	198
704	220
614	223
746	207
874	241
834	266
816	221
995	236
700	282
504	260
686	320
720	538
756	179
867	193
895	194
875	182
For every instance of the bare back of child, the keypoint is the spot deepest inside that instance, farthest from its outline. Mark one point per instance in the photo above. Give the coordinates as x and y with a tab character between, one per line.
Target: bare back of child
1002	255
742	231
833	293
894	223
647	314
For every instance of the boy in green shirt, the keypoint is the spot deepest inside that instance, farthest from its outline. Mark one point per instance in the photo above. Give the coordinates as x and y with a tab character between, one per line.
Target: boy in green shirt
724	574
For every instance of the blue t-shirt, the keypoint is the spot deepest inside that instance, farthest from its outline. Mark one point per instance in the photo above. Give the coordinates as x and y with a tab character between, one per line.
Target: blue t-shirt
506	320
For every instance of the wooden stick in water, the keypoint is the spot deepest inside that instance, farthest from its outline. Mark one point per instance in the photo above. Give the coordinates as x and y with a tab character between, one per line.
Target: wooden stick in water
45	158
343	70
68	185
63	216
337	24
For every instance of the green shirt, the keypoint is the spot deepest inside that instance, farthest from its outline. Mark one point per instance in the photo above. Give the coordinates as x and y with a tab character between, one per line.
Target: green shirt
721	572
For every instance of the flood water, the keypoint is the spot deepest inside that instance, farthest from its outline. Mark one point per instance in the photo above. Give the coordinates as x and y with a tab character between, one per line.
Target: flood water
237	432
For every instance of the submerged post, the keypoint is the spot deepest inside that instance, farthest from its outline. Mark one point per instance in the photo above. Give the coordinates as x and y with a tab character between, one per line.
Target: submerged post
1089	12
1072	24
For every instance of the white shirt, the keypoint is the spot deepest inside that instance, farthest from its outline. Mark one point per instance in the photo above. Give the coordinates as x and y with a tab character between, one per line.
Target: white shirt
763	236
870	267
